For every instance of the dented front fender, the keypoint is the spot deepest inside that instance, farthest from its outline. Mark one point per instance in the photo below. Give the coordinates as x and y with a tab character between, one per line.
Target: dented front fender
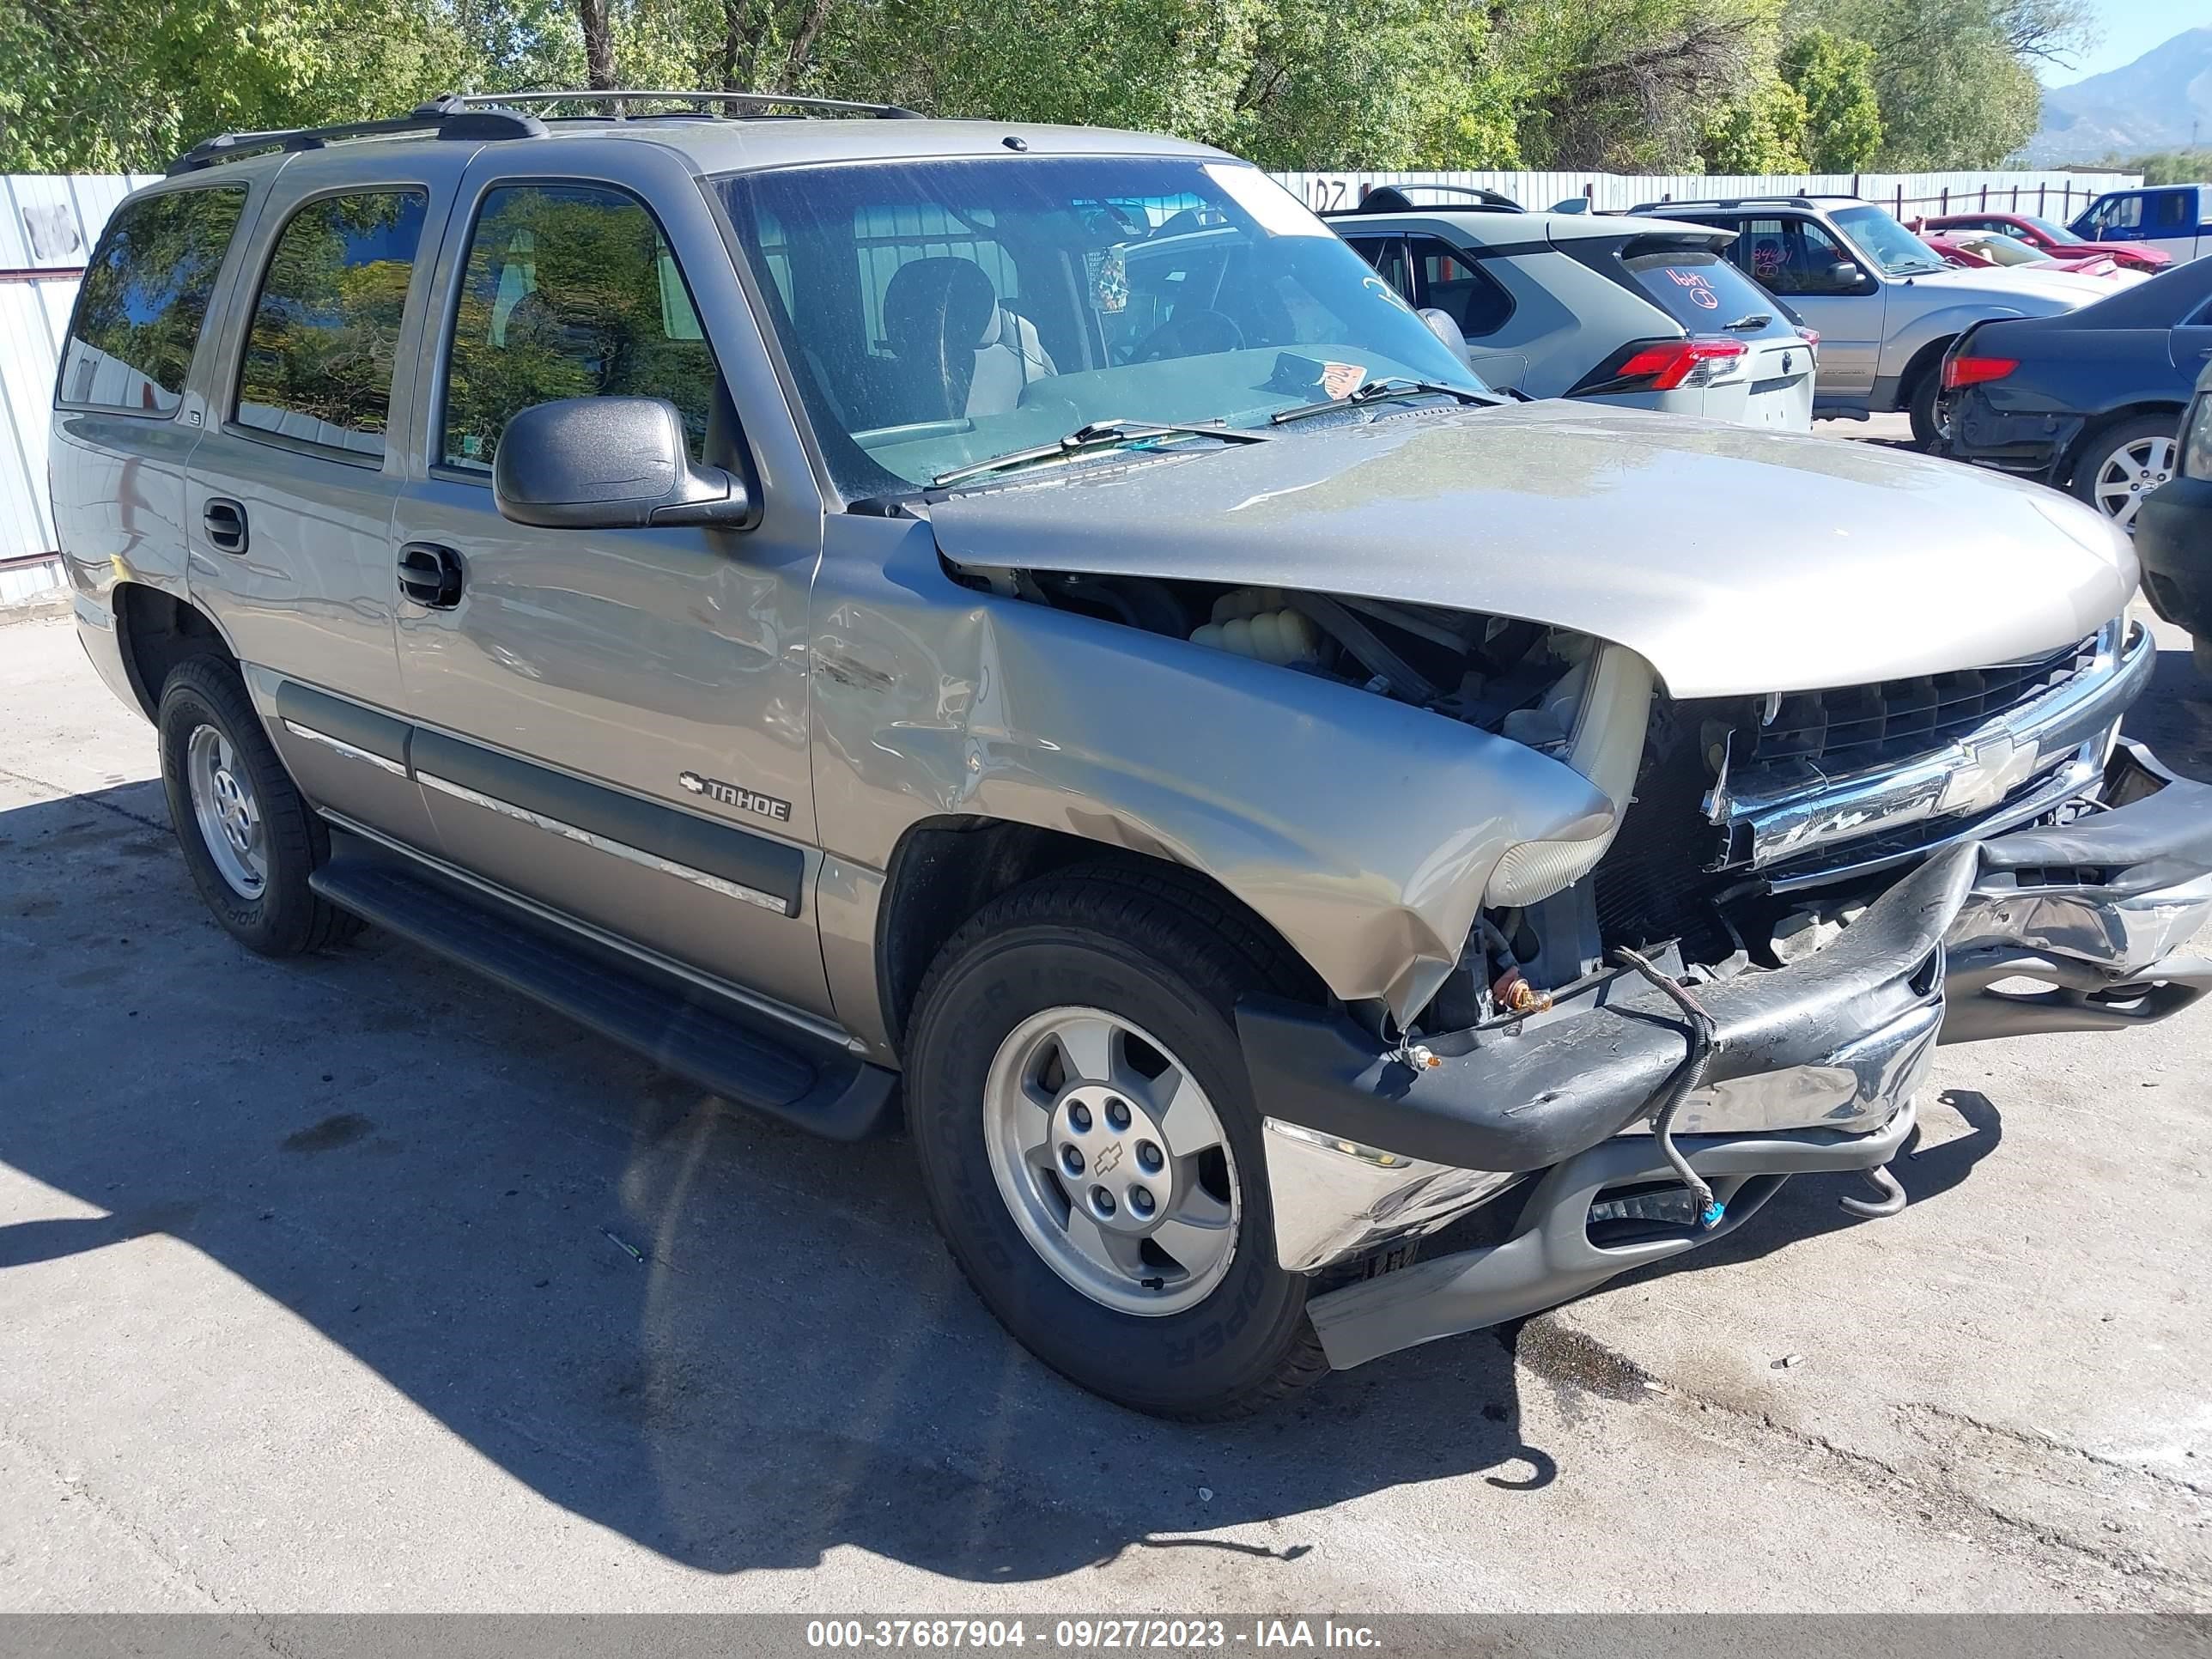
1361	829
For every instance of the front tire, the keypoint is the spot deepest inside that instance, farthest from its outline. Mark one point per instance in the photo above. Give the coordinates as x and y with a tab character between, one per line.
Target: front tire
1928	431
1090	1149
249	839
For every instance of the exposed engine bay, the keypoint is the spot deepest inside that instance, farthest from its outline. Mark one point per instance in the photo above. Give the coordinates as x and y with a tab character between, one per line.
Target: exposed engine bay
1665	879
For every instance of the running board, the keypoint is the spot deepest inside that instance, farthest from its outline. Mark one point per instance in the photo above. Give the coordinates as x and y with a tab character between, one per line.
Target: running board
809	1085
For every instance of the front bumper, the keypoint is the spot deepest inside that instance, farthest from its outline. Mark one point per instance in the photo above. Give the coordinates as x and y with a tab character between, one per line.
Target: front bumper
1364	1150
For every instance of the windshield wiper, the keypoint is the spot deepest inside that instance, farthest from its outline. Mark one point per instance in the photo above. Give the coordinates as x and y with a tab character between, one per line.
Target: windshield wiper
1377	390
1757	319
1098	434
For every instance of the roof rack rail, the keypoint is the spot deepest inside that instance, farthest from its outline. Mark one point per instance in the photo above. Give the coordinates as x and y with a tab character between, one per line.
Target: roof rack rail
615	97
450	116
1392	198
1792	198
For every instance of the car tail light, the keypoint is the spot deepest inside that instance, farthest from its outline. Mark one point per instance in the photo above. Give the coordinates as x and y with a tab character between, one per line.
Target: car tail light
1960	373
1811	337
1667	365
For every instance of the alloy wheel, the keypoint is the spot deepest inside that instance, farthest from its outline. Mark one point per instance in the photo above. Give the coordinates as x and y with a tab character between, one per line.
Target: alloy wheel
1112	1160
2130	473
229	817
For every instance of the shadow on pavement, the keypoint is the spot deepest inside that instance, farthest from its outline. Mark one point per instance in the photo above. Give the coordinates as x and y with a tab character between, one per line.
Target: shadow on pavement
450	1184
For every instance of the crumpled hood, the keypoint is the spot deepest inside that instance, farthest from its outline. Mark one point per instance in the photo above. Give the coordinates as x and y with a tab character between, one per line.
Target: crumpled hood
1734	561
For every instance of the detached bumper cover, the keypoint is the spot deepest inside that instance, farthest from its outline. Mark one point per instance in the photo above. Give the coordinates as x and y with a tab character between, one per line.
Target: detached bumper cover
1363	1148
2032	442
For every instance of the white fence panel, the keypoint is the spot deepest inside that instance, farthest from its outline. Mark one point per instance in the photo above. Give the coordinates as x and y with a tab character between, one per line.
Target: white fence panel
48	226
1911	195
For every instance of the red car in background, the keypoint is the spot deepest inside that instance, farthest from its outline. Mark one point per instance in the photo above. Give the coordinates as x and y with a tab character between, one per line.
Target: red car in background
2053	239
1973	250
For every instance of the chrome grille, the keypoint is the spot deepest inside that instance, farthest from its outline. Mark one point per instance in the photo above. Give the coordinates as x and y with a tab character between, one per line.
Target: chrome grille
1831	733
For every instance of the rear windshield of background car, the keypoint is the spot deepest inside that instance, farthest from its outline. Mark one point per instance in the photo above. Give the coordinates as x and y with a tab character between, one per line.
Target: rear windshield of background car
1698	288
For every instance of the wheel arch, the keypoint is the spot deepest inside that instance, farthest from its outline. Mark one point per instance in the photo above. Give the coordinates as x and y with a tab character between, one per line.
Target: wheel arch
945	869
1926	360
2097	426
155	630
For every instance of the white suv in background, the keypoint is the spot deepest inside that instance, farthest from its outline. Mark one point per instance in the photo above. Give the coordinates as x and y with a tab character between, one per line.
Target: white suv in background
1884	303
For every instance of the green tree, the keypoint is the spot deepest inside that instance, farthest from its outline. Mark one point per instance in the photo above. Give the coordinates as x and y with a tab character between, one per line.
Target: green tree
1632	85
1954	79
122	85
1834	77
1762	133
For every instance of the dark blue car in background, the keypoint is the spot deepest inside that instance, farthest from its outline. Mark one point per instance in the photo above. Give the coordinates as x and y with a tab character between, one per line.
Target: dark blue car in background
2090	400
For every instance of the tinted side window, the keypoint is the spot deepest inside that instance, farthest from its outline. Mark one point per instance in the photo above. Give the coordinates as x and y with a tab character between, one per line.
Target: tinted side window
1455	284
144	297
1790	256
317	363
1388	256
2173	210
569	291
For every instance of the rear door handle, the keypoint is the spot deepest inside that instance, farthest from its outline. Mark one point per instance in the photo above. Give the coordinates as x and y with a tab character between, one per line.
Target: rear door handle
430	575
224	520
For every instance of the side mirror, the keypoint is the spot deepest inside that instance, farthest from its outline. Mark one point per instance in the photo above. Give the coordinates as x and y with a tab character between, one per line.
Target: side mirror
1445	328
610	464
1844	274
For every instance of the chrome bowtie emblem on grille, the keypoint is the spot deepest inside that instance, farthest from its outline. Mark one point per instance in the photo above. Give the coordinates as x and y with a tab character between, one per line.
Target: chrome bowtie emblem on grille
737	795
1105	1162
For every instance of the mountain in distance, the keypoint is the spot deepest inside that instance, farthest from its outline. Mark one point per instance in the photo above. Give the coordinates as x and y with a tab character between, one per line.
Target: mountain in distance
2152	103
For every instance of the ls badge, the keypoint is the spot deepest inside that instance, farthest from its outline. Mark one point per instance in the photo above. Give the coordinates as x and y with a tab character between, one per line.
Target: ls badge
731	794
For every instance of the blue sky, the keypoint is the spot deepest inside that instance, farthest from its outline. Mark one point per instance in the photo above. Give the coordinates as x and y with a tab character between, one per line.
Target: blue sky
2131	27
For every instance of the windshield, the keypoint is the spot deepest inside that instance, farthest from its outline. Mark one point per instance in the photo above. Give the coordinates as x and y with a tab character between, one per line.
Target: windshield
2055	232
939	314
1885	241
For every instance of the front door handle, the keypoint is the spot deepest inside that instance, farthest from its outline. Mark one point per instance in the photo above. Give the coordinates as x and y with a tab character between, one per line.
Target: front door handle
430	575
224	520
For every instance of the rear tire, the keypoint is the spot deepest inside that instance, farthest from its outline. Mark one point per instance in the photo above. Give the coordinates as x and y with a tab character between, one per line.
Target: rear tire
1195	1334
248	839
2124	462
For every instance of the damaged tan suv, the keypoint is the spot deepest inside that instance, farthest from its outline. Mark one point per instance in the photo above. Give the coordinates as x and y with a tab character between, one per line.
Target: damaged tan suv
1018	633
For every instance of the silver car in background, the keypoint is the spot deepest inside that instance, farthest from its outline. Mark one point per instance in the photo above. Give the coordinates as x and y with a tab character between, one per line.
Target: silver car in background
1885	305
1647	313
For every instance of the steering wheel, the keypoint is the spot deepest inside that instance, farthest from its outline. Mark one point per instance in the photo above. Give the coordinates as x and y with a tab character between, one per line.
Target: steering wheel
1191	334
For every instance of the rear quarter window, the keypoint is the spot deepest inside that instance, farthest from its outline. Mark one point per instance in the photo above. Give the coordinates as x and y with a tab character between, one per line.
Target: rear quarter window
1698	288
144	299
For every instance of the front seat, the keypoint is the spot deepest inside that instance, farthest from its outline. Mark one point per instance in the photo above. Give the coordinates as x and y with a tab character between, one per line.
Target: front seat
957	350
